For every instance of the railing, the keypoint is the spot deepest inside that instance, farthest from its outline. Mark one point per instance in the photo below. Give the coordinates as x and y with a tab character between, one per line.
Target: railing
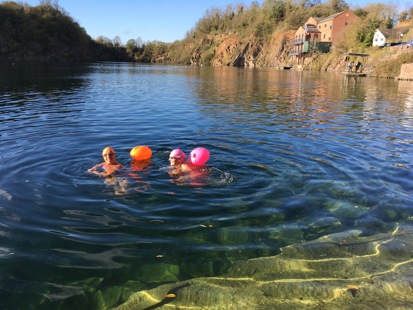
296	42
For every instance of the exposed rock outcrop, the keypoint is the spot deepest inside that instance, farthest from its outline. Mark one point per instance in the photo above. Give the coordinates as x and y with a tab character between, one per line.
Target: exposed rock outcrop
230	50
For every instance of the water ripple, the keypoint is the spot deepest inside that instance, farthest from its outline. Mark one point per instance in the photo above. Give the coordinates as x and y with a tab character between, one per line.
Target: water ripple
294	156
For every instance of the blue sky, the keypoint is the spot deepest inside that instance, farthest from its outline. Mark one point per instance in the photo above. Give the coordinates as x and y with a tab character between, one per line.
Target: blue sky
160	20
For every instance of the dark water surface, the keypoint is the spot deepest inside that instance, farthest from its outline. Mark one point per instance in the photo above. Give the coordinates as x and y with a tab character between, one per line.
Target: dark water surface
294	156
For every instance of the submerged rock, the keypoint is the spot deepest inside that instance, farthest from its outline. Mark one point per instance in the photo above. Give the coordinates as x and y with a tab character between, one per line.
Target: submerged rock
322	226
291	232
232	235
345	208
338	271
163	272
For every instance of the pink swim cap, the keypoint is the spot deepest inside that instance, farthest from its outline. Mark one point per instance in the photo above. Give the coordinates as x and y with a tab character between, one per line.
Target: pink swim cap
177	153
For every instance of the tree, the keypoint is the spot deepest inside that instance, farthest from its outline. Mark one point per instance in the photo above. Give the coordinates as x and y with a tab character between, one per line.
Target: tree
338	5
411	12
381	13
50	3
274	9
139	42
403	16
117	42
104	41
131	46
389	23
362	13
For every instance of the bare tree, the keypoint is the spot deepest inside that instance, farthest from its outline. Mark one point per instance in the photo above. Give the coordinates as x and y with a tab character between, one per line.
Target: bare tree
117	42
139	42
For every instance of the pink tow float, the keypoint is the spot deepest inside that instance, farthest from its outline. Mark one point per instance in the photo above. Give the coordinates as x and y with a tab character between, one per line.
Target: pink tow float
199	156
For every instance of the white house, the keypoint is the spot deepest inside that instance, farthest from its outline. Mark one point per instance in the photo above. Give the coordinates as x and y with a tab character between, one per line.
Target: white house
383	36
379	38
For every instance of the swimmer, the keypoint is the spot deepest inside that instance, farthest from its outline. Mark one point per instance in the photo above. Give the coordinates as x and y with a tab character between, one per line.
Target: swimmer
177	162
184	172
179	168
109	166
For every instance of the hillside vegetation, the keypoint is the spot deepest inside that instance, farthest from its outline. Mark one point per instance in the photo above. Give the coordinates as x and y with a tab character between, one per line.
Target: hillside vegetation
45	32
240	35
260	35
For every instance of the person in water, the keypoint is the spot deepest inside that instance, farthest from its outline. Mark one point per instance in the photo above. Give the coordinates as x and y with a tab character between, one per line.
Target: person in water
184	172
177	162
108	166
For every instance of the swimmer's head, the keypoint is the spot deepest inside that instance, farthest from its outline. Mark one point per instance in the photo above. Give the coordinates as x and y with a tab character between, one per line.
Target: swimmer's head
176	156
109	154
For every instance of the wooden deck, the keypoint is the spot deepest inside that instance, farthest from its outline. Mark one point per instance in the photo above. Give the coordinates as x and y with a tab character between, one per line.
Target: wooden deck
354	57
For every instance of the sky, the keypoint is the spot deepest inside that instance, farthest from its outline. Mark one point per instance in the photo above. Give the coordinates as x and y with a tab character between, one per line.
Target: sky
150	20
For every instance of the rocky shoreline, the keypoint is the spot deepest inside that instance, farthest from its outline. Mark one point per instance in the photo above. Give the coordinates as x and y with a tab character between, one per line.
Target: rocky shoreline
229	50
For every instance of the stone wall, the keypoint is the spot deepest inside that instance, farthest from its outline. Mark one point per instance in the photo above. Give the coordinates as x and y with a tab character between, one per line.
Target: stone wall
406	72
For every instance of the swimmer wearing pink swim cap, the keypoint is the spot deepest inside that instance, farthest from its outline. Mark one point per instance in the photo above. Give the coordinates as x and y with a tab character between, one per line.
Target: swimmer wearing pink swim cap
177	162
176	157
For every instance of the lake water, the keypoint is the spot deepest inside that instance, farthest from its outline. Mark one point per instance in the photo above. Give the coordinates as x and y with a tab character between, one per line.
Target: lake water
294	156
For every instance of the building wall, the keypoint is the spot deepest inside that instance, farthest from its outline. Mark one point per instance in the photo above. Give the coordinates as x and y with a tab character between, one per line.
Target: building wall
299	37
326	30
378	38
333	29
300	34
311	21
341	23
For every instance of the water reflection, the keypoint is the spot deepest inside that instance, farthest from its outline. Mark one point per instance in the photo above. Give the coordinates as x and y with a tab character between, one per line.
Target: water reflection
26	77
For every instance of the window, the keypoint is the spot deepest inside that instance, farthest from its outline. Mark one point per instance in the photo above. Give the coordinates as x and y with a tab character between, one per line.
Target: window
331	26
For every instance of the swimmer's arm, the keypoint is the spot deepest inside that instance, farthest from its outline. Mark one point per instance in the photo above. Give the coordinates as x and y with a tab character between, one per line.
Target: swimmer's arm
108	171
100	174
95	168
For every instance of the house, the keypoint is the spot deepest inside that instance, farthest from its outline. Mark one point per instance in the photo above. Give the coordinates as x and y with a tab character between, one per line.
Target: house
319	34
383	36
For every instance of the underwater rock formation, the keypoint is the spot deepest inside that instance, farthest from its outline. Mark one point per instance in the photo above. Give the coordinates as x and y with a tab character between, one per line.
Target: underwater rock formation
343	270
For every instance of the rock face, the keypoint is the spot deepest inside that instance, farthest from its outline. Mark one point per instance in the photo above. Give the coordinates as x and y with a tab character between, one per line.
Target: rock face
406	72
230	50
339	271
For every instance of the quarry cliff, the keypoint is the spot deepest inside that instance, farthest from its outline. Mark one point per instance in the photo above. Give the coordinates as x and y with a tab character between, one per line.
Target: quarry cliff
252	52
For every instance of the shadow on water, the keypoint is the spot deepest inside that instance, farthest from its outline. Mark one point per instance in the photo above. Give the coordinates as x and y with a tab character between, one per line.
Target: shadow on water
24	77
294	156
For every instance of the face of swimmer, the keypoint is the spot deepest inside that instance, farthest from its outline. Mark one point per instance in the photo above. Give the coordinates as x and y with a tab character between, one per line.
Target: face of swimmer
109	155
176	157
